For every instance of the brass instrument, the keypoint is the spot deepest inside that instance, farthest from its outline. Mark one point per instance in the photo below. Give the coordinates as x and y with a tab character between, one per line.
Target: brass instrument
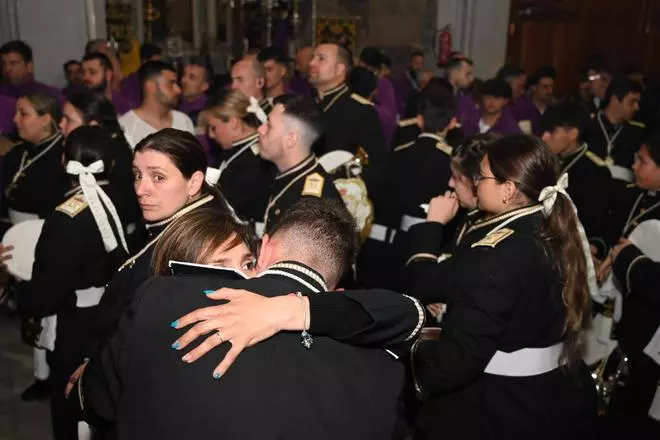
609	374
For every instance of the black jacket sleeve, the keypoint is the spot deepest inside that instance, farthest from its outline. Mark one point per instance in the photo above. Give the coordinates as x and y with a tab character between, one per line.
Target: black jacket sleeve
427	268
376	317
477	318
639	274
59	255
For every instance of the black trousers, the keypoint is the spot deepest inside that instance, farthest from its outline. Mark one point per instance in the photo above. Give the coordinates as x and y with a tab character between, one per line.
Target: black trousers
65	413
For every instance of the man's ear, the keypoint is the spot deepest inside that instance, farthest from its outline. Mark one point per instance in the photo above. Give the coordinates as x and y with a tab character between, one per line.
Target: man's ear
265	251
420	122
205	88
30	67
573	134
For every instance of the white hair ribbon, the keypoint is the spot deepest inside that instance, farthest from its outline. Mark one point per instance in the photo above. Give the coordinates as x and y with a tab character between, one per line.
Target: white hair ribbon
256	109
97	198
548	198
548	194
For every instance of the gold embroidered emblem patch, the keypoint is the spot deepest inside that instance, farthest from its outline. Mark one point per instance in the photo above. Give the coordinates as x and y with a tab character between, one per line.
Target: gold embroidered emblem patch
492	239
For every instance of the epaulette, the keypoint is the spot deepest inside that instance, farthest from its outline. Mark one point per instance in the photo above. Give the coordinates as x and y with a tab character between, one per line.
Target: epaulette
637	124
494	238
313	185
361	99
407	122
404	146
595	159
74	206
444	148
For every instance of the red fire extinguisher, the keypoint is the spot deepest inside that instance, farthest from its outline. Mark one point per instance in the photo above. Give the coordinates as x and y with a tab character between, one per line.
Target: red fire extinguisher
444	45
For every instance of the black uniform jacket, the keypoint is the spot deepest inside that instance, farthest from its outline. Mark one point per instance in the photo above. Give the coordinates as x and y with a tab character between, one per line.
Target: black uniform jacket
421	172
428	262
246	178
590	186
40	187
640	280
307	179
506	296
352	122
277	389
70	256
630	136
630	206
134	271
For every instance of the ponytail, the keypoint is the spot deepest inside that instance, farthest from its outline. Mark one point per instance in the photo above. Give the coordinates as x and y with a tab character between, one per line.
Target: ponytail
560	232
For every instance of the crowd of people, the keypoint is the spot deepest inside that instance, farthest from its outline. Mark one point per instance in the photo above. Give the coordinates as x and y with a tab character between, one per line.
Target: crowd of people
202	273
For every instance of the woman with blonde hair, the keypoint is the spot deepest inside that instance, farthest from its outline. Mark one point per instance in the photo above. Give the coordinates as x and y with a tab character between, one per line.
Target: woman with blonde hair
243	177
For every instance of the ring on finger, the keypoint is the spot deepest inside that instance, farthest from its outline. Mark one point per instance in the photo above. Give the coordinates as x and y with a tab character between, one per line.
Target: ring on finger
217	333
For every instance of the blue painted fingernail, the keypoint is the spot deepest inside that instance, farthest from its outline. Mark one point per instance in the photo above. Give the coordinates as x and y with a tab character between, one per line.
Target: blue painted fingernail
216	375
176	345
208	291
174	324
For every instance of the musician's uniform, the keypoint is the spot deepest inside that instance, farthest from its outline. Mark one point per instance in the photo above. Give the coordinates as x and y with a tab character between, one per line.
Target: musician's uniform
506	296
70	271
266	105
615	144
590	186
245	178
33	179
277	389
407	131
640	316
421	171
307	179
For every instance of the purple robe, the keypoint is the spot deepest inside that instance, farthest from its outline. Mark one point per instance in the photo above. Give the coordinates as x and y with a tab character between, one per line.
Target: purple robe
525	110
505	124
7	113
122	104
466	109
28	87
387	108
301	86
403	88
194	107
131	88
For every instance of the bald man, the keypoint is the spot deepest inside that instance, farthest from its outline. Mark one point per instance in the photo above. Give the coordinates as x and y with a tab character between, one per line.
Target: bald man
248	76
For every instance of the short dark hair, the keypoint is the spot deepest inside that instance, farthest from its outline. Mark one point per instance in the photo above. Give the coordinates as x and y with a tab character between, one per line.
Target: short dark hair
70	63
387	61
201	62
102	58
362	81
541	72
456	62
273	53
93	45
324	232
195	236
417	53
466	158
653	147
149	50
620	86
509	71
496	87
87	144
437	105
17	46
95	107
372	57
344	55
305	111
566	115
183	149
153	69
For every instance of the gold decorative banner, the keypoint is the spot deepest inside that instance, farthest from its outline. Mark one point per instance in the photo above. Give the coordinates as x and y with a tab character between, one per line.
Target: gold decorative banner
337	30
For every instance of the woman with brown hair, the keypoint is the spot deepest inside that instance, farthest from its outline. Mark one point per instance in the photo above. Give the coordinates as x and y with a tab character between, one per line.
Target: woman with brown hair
508	361
243	176
209	237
